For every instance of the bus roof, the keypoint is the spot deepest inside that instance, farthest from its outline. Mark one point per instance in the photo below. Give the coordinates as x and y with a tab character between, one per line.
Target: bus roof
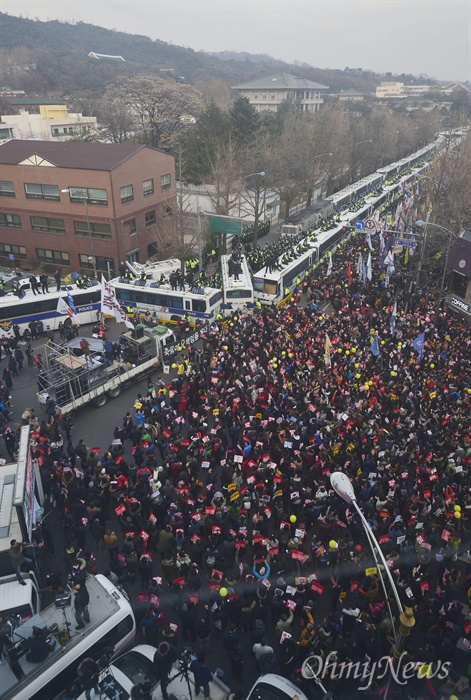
229	281
105	601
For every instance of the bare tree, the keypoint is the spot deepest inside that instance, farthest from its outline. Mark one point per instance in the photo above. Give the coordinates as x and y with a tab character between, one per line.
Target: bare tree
180	233
163	108
117	121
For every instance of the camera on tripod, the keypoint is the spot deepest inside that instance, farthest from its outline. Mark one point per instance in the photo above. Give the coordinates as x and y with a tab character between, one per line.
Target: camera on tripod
186	657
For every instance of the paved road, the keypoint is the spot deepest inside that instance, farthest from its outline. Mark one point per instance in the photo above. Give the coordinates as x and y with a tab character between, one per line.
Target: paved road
96	426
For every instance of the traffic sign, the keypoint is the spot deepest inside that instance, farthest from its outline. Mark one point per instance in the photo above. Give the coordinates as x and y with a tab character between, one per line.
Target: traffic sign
360	225
369	223
408	244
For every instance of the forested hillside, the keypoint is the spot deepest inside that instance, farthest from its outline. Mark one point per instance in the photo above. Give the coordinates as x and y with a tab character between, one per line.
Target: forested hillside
52	57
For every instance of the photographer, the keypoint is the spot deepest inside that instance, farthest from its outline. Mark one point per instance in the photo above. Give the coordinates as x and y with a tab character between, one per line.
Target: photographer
38	646
18	559
202	674
163	661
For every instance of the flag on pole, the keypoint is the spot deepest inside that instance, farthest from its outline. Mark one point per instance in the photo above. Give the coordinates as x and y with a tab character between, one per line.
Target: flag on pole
369	269
374	347
363	273
381	242
64	308
418	345
328	348
349	274
110	305
329	266
406	256
360	264
393	317
70	302
368	240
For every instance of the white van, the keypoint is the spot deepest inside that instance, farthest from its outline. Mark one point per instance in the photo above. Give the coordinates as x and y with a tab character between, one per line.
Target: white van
21	602
112	625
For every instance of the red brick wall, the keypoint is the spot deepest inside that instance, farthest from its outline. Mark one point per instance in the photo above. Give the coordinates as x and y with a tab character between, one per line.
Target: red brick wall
147	163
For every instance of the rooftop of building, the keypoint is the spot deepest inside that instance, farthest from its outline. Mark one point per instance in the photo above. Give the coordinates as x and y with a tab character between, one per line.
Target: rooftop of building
280	80
68	154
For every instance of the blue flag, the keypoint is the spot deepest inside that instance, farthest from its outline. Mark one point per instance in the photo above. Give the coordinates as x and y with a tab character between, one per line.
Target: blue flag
374	347
70	301
418	344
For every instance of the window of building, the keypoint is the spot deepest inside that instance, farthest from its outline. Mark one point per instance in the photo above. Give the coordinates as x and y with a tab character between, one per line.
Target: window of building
90	194
133	256
168	212
150	218
43	223
10	220
126	193
5	133
58	257
130	226
165	181
96	230
100	261
6	189
152	250
18	251
35	191
148	187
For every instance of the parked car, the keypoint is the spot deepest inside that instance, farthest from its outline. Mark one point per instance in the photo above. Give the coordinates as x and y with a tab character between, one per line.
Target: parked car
136	666
271	686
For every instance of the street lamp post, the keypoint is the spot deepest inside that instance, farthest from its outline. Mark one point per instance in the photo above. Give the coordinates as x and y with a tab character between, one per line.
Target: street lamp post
90	237
451	236
343	488
256	206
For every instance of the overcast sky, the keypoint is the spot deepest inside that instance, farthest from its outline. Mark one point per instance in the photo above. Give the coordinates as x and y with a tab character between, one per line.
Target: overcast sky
411	36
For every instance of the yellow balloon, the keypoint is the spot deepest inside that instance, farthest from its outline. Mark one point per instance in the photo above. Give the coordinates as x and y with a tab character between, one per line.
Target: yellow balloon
432	366
357	364
457	507
354	349
347	352
457	514
320	318
174	366
393	373
275	366
357	375
382	342
223	592
399	345
333	544
292	519
340	350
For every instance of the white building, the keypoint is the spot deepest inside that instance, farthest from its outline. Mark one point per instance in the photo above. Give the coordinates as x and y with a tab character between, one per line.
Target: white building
52	123
267	94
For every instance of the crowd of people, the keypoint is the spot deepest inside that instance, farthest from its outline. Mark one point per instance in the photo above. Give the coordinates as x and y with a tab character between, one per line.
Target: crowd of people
213	497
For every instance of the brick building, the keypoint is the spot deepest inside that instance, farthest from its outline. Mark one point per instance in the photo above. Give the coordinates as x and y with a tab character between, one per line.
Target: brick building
117	196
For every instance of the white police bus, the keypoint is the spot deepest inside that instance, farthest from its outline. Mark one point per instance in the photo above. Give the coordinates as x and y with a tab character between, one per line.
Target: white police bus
24	306
169	304
237	288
